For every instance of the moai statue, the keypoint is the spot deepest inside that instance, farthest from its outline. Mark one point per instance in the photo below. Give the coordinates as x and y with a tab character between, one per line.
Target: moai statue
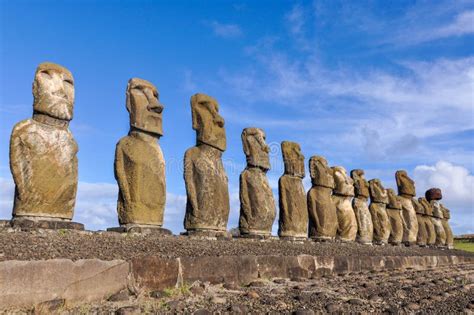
394	213
430	229
293	222
447	228
365	231
342	196
43	155
433	195
207	207
257	206
406	191
322	211
378	210
139	163
422	237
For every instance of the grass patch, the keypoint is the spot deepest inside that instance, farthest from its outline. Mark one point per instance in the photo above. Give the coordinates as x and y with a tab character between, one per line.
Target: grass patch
464	245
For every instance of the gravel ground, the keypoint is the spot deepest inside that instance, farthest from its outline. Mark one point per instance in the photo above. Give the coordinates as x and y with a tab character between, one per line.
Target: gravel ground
48	244
441	291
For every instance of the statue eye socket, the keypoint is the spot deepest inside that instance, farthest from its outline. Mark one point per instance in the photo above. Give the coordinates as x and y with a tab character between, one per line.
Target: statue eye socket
69	81
46	74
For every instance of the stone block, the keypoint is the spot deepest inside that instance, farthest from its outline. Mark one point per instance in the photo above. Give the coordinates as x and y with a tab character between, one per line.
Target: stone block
154	273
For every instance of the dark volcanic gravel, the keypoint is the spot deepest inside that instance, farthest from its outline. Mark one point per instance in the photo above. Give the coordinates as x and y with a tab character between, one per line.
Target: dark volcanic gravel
48	244
440	291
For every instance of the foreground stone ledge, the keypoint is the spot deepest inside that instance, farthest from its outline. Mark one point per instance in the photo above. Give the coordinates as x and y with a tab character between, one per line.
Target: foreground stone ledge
24	284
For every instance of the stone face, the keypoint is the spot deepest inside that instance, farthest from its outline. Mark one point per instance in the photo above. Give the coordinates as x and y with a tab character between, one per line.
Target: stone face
406	191
422	236
437	219
405	185
207	206
293	221
378	210
447	227
365	226
322	211
342	196
361	186
257	206
43	152
433	194
139	163
394	213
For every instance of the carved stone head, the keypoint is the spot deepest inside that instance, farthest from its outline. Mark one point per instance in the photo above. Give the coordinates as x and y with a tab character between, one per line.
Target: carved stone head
53	91
437	211
360	183
207	122
426	206
433	194
293	159
446	212
405	185
377	191
393	200
320	172
255	148
144	106
419	209
344	185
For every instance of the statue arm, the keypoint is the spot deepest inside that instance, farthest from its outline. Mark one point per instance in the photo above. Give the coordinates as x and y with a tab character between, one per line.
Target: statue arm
120	173
244	196
189	182
17	161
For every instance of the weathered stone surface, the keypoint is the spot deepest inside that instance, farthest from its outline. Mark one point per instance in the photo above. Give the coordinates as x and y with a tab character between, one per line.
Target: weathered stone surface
378	210
361	186
302	266
342	196
142	229
433	194
405	185
43	151
293	221
154	273
422	236
26	283
410	223
394	213
430	229
139	162
207	206
365	231
321	209
438	224
447	227
228	269
33	223
257	206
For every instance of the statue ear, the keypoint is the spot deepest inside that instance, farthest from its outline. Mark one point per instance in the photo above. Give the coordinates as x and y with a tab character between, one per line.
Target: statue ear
194	104
312	167
128	104
245	143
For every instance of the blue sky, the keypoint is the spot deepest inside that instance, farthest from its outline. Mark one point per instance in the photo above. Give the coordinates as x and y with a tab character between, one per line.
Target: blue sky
375	85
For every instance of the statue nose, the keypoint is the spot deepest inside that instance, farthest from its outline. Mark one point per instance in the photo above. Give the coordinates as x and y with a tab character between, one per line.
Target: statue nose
219	121
156	107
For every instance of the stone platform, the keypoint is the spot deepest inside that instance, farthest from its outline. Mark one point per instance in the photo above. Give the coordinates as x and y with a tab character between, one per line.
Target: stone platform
140	229
89	280
26	224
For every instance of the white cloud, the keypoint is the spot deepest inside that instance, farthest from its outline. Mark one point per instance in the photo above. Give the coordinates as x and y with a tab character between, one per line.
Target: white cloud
457	186
225	30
